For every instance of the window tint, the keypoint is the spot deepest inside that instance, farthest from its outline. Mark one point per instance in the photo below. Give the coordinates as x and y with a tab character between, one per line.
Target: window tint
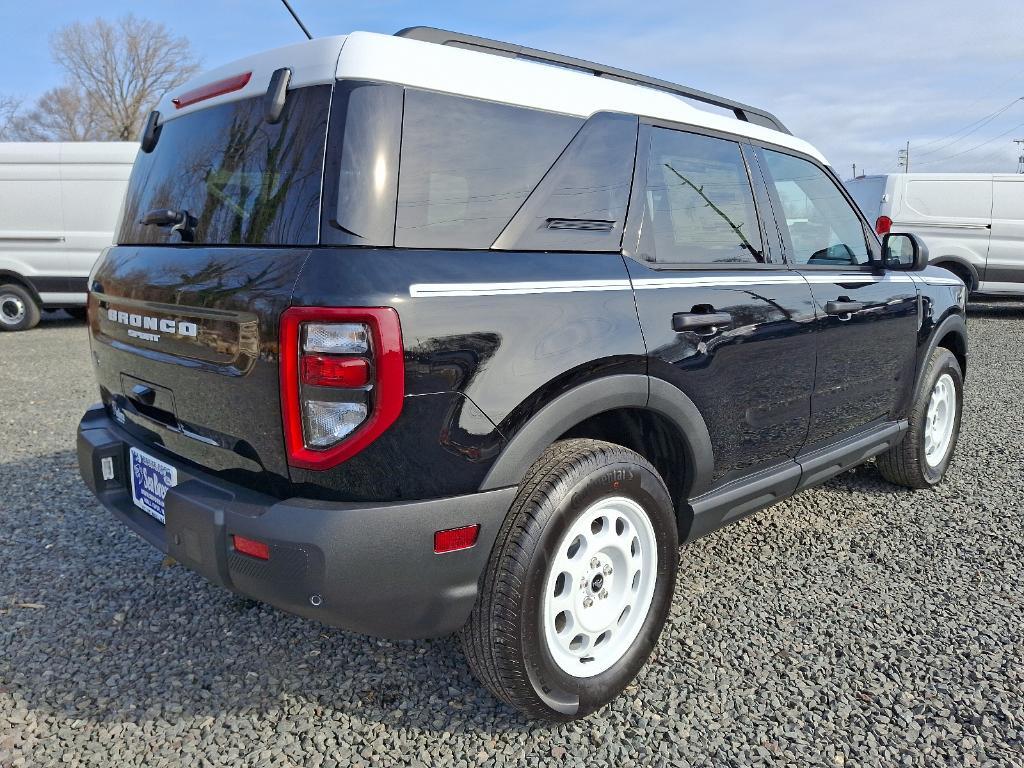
244	180
361	169
823	228
468	165
699	206
581	203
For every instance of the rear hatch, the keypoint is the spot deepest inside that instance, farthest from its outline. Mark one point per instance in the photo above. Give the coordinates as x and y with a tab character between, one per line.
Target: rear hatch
184	310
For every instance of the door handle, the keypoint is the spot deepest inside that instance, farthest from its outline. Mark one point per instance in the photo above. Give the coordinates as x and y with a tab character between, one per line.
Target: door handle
842	307
700	321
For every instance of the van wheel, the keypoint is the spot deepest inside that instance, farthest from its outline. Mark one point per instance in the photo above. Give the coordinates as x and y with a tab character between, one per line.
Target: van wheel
921	459
18	310
579	583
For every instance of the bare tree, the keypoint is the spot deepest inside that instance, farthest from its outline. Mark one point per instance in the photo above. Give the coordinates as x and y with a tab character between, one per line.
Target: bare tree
116	71
8	112
60	114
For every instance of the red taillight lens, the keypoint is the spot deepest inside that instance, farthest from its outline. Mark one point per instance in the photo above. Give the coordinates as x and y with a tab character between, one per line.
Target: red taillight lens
251	547
335	371
342	381
882	225
208	91
455	539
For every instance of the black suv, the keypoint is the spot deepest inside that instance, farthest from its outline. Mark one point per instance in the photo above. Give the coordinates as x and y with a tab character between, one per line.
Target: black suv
390	342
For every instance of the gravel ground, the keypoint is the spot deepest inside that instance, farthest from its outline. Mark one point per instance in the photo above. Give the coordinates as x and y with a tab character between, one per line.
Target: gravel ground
857	624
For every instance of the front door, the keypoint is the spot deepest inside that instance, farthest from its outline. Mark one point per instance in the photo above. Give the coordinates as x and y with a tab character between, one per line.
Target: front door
867	322
723	317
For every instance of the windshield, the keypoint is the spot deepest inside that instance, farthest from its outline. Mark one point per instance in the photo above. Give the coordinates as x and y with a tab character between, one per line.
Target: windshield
239	179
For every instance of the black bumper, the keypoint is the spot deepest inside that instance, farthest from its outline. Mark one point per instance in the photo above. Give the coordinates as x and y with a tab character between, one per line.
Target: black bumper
362	567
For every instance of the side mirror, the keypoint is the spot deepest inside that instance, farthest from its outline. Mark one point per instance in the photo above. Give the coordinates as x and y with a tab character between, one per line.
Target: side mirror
904	252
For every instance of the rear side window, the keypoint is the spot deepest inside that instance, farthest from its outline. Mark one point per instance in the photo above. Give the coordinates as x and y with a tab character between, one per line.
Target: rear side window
699	207
823	227
468	165
242	180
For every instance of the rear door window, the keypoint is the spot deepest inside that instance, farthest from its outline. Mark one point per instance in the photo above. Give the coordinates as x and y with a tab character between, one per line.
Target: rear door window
467	166
244	181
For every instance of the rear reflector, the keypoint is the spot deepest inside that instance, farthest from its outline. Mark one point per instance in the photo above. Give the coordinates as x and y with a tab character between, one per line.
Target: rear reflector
455	539
883	225
208	91
251	547
328	371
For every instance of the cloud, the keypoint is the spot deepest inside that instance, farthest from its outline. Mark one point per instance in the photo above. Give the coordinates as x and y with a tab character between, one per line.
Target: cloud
855	79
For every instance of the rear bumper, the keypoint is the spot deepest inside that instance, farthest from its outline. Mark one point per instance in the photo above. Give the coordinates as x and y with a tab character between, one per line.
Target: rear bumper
368	568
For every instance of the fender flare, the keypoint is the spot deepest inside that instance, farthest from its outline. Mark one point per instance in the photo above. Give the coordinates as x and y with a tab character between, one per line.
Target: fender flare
939	261
953	322
598	396
9	276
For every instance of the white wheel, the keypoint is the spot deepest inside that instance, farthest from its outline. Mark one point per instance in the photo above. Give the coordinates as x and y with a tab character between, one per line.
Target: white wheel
599	587
939	420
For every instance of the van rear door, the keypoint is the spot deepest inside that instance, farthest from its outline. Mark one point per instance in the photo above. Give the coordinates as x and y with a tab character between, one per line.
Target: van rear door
184	319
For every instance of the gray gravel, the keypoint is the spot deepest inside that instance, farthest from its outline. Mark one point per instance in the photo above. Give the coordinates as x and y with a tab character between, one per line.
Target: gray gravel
857	624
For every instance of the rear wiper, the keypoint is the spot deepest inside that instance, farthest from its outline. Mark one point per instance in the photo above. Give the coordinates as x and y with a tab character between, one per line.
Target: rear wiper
181	222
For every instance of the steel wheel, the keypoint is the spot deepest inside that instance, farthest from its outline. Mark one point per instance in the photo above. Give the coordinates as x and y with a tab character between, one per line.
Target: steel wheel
12	308
939	420
599	587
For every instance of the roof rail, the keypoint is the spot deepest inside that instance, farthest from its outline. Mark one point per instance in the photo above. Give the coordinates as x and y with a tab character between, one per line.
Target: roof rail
511	50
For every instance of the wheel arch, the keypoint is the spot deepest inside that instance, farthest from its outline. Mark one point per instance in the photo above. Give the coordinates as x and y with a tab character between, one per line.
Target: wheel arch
958	265
648	415
7	276
949	334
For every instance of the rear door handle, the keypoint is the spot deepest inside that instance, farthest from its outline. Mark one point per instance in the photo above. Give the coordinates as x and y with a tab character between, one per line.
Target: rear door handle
700	321
843	307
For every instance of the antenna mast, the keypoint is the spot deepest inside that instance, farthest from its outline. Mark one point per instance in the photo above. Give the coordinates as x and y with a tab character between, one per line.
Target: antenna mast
297	19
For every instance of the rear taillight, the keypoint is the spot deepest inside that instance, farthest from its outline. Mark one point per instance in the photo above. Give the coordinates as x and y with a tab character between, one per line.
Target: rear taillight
342	381
883	224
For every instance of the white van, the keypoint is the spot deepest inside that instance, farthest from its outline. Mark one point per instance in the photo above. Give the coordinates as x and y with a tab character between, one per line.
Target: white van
59	203
972	223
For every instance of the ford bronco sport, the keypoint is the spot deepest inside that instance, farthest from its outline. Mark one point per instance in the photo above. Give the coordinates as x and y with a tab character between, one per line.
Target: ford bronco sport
429	333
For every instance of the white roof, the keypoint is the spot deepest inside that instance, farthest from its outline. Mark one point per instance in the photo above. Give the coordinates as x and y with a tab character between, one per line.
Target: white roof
24	152
465	72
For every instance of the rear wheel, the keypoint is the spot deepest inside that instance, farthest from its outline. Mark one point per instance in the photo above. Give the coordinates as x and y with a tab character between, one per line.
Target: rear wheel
921	459
579	584
18	310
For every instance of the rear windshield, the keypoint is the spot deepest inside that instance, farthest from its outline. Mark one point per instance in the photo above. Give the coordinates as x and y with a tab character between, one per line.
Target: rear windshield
867	193
241	180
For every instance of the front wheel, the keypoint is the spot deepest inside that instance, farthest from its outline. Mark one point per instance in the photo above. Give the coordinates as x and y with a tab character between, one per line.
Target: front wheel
579	584
923	456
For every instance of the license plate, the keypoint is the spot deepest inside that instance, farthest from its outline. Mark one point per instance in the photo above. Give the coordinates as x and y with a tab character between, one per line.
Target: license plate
151	479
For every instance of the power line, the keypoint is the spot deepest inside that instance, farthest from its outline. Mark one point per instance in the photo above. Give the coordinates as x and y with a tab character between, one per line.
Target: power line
976	146
975	126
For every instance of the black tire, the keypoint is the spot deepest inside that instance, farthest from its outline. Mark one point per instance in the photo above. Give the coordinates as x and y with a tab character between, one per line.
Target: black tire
18	309
77	313
504	639
906	463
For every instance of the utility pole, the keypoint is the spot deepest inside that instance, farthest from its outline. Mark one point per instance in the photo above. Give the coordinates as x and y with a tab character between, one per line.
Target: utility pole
1020	154
904	158
855	170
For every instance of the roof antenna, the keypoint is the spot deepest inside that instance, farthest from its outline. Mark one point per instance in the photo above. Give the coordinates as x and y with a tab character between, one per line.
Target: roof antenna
297	19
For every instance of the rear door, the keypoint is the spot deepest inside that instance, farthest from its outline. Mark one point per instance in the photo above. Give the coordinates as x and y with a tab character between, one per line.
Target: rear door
866	322
1005	269
724	319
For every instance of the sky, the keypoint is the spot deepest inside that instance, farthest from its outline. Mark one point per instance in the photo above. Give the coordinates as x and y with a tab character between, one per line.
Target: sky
857	80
